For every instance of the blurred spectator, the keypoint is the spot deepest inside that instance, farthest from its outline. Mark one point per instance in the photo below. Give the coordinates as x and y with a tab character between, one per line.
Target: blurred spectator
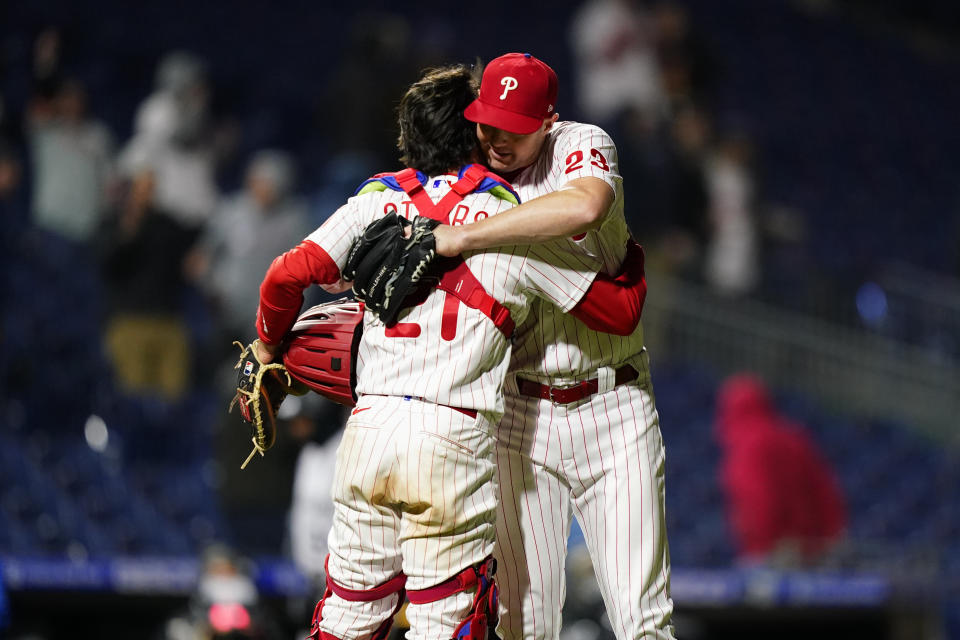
142	249
685	200
225	604
315	428
8	130
256	502
72	156
784	503
642	154
172	132
11	173
615	56
732	261
686	67
13	222
47	68
6	126
319	429
248	230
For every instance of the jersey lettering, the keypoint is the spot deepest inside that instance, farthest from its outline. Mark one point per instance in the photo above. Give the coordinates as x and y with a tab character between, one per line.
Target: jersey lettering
403	330
574	161
460	214
448	323
389	208
598	160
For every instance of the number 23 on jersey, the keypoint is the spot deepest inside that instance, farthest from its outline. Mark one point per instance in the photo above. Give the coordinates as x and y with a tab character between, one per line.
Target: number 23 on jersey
574	161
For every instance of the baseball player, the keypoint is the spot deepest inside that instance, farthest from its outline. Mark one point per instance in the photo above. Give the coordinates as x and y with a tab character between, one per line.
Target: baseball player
414	488
581	432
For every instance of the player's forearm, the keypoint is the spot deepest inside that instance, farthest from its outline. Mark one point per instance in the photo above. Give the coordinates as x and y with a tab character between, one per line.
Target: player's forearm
281	296
281	292
612	305
575	209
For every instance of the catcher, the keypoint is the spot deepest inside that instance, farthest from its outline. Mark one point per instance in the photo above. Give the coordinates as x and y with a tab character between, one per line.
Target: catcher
414	488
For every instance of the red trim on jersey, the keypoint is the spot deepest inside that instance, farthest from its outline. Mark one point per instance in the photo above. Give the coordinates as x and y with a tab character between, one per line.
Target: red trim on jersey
614	305
281	293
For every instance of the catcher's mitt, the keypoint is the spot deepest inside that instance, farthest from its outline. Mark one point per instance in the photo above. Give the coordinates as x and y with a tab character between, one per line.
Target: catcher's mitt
260	390
386	266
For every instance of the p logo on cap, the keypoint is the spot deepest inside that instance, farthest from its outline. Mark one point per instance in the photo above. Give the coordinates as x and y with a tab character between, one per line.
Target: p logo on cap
517	93
509	84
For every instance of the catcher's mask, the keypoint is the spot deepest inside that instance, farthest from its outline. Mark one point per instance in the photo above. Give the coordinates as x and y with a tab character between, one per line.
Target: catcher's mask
322	349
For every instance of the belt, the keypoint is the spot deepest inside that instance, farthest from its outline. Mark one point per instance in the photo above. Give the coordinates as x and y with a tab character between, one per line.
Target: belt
467	412
579	391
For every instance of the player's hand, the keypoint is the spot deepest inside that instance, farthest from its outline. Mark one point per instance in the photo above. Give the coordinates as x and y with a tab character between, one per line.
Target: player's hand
389	261
338	287
265	352
449	240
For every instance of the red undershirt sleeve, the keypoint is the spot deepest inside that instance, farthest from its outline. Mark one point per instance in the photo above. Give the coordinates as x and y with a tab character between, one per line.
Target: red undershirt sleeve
281	293
614	304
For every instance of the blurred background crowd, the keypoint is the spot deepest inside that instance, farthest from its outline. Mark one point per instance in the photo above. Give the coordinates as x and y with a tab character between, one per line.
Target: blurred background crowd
789	167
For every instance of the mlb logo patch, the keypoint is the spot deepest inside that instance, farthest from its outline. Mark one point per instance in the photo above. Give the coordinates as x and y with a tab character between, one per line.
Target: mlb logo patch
248	368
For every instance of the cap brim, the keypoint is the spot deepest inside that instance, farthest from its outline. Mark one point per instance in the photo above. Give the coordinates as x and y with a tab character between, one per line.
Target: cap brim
518	123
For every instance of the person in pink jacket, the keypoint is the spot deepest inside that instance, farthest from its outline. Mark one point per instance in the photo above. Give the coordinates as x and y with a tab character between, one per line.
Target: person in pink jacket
784	502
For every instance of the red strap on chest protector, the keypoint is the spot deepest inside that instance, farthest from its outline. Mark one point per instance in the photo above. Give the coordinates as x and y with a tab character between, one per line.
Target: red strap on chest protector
458	281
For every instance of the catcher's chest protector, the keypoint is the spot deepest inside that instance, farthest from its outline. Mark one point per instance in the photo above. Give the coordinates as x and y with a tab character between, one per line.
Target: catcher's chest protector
457	281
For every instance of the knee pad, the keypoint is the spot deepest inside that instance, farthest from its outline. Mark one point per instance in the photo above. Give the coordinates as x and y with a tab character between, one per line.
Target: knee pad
481	621
391	586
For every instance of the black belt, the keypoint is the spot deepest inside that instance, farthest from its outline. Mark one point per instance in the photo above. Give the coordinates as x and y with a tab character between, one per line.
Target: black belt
579	391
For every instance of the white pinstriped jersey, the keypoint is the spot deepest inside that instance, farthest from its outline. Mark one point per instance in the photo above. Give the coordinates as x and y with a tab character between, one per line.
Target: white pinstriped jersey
443	351
551	344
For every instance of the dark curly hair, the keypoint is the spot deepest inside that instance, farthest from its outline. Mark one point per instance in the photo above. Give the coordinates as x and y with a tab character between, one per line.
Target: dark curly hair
434	135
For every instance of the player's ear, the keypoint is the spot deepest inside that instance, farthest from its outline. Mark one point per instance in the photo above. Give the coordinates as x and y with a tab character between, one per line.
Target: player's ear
548	122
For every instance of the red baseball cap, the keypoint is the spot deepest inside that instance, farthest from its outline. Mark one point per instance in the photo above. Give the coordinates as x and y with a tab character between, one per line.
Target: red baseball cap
517	93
